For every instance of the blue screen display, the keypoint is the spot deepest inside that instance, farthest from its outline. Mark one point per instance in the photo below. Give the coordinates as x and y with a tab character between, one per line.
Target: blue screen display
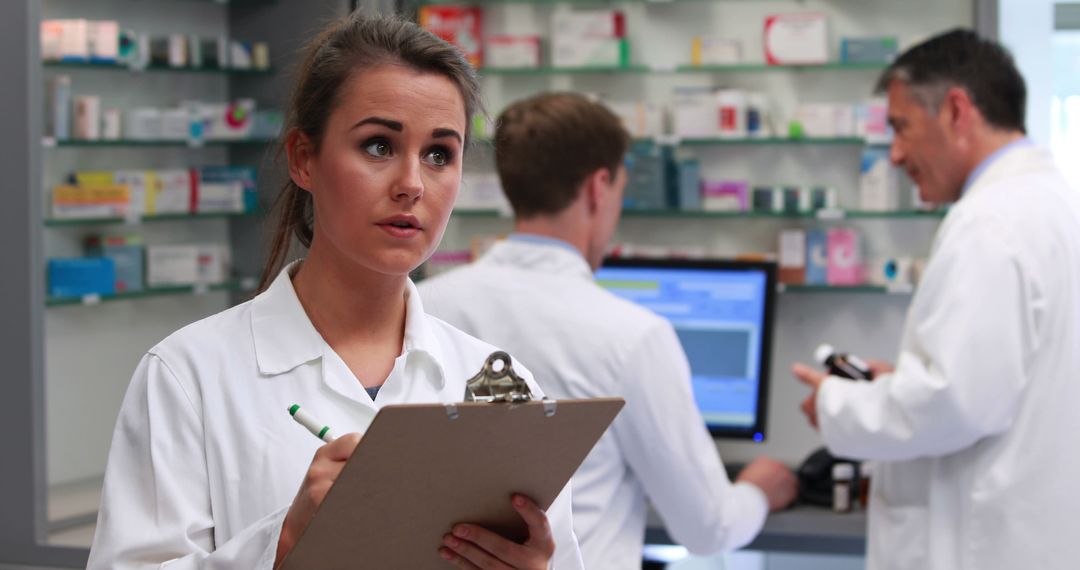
719	316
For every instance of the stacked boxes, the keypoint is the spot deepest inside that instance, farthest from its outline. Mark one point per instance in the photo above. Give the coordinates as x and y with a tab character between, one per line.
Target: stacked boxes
589	38
137	193
459	25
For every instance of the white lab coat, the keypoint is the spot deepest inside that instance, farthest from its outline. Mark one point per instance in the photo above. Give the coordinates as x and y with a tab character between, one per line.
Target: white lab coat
540	302
976	430
206	460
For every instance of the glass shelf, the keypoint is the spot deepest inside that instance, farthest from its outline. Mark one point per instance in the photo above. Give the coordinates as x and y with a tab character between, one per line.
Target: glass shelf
103	66
759	67
53	143
481	213
562	70
871	289
700	214
62	222
672	140
638	69
236	285
765	141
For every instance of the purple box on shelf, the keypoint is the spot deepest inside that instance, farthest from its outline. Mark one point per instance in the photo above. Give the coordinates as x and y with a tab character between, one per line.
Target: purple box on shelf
724	195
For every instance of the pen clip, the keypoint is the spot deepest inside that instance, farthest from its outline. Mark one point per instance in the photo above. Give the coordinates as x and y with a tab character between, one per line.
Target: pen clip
502	385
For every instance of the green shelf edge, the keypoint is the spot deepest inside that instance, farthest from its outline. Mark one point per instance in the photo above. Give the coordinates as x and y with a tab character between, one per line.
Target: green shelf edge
774	141
639	69
764	67
72	143
235	285
561	70
102	66
53	223
867	289
632	213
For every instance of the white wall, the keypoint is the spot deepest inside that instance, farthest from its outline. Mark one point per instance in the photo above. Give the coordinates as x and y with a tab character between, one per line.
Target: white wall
1026	27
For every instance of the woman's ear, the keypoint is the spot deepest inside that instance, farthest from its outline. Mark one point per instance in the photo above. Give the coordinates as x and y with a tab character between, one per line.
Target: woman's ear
300	153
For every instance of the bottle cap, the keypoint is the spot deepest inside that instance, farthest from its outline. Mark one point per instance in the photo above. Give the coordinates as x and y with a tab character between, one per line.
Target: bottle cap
842	471
823	352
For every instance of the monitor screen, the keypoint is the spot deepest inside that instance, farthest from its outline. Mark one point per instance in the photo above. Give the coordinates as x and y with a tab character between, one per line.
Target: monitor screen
722	312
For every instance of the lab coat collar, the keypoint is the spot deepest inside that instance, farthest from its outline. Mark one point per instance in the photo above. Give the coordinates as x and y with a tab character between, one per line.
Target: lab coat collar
1018	161
283	333
419	337
285	338
538	256
994	157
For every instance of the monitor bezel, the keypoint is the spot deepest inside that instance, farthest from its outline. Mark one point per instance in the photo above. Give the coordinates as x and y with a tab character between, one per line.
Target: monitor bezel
758	432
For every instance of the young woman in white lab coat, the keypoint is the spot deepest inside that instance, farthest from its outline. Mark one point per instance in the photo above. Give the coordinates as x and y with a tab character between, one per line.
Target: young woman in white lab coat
207	470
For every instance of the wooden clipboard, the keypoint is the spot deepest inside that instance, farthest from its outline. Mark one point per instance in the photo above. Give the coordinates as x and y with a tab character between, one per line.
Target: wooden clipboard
421	468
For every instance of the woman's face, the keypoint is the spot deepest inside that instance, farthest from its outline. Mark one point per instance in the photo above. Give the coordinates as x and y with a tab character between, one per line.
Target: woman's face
388	169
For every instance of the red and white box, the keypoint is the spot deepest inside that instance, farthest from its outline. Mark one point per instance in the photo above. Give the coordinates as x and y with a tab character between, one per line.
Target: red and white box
797	39
519	52
462	26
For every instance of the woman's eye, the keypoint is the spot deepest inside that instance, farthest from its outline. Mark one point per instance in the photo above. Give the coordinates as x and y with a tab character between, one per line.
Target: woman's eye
438	157
379	148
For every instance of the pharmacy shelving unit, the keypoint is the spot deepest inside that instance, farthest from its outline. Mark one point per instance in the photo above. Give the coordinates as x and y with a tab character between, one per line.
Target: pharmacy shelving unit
867	319
91	344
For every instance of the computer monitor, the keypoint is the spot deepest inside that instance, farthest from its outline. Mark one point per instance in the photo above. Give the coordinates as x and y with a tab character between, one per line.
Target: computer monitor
723	313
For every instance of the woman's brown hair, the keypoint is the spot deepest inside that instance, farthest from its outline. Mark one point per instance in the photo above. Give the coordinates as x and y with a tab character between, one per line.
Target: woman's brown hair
350	45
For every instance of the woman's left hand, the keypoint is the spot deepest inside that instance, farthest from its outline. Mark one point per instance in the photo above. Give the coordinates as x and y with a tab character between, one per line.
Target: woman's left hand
471	546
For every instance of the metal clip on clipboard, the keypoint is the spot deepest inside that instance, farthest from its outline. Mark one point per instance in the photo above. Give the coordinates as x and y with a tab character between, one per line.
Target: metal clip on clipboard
502	385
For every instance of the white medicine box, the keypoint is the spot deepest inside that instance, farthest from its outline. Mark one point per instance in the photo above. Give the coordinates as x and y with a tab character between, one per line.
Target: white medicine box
797	39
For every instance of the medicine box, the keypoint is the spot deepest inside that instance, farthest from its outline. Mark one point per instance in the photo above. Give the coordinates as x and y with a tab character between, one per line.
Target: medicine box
225	189
126	252
792	257
459	25
688	185
641	119
796	39
845	257
725	195
868	50
879	185
817	257
646	187
79	276
172	192
106	201
589	38
512	52
228	121
713	50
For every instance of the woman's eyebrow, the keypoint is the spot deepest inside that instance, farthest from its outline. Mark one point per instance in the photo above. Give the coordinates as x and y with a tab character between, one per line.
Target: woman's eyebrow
392	125
443	133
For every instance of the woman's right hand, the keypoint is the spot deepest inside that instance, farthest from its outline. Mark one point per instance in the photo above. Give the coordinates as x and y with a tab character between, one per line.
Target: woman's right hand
325	467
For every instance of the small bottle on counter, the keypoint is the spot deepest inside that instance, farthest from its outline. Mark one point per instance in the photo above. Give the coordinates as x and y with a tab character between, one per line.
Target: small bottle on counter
843	475
843	365
866	470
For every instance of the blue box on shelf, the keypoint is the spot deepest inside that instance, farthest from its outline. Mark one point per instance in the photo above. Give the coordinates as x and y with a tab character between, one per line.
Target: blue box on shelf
817	257
79	276
220	177
688	185
127	255
647	178
868	50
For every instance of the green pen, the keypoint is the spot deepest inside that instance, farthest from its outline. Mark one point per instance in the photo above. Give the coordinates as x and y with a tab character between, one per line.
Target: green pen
317	428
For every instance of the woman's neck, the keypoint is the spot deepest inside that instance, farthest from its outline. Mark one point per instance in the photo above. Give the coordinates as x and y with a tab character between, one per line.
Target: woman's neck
351	305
